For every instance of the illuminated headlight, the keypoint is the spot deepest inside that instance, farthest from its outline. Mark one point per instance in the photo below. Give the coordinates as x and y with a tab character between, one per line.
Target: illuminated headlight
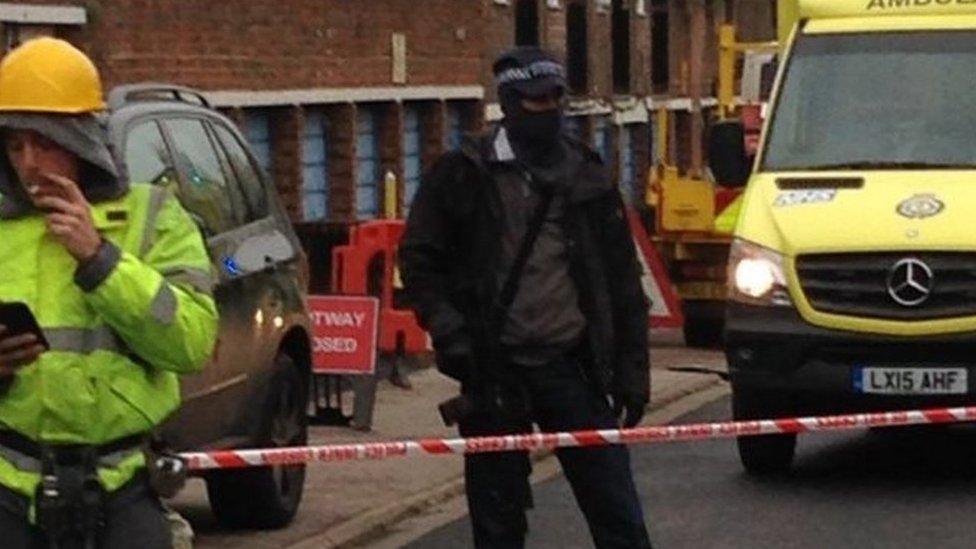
756	275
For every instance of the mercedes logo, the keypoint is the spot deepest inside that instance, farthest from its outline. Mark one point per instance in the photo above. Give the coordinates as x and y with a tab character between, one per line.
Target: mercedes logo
910	282
920	206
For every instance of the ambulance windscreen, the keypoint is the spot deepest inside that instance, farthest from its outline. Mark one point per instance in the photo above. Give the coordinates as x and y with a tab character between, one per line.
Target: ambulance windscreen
877	101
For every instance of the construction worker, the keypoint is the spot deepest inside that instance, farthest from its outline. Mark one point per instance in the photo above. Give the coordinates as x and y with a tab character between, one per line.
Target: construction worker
119	280
519	261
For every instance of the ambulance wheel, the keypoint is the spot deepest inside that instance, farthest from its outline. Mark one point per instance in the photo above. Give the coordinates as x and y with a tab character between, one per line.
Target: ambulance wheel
764	455
268	497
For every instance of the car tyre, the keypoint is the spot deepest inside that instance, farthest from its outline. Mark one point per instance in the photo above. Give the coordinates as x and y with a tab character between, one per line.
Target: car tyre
268	497
764	455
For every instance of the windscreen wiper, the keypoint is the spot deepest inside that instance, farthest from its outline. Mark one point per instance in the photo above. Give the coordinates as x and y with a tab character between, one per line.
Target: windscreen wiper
890	165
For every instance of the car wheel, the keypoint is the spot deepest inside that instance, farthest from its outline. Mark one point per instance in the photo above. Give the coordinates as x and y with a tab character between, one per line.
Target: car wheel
767	454
268	497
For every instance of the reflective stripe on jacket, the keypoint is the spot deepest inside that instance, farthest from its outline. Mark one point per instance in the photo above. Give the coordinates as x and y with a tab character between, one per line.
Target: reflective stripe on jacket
116	351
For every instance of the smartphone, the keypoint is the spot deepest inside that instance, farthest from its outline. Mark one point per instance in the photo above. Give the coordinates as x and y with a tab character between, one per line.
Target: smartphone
19	319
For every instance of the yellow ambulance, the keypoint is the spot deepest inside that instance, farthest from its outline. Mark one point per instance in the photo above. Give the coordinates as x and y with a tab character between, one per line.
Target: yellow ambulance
853	269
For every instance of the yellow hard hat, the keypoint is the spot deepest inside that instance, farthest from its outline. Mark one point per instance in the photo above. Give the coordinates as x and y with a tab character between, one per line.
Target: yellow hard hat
49	75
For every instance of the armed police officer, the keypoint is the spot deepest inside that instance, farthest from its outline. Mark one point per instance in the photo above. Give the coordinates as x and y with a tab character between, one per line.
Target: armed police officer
519	262
119	280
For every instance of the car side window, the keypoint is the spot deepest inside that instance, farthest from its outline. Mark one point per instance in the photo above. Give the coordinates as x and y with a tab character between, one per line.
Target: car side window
234	194
205	190
247	175
147	160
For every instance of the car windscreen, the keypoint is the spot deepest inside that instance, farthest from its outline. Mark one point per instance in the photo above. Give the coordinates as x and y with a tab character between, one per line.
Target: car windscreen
877	101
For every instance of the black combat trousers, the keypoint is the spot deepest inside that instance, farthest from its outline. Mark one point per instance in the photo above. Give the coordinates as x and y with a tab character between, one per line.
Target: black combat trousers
134	517
497	484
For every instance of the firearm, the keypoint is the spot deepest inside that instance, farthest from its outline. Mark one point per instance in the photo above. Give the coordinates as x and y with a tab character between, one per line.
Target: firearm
488	384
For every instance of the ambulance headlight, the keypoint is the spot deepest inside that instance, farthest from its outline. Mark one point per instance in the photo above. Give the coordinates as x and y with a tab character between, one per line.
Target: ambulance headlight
757	275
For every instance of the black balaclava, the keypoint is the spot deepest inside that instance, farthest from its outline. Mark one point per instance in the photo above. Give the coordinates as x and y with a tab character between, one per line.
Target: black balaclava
531	72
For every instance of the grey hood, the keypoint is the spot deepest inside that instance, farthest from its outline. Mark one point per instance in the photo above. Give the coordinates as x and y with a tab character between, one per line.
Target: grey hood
83	136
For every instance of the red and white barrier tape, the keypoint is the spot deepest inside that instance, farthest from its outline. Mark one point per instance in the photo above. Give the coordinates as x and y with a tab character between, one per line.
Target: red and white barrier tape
230	459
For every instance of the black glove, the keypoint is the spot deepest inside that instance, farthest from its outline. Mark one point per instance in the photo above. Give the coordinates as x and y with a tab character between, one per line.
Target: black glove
629	409
455	355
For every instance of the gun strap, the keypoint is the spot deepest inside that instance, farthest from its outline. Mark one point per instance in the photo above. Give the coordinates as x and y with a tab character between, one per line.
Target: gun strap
507	295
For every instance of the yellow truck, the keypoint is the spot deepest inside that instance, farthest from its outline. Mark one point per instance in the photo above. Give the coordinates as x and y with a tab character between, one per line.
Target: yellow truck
852	271
694	211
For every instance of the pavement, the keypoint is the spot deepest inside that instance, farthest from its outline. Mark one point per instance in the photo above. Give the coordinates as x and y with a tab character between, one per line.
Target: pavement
347	504
900	488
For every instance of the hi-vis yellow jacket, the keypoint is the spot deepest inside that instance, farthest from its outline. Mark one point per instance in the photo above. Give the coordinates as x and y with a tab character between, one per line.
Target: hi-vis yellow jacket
725	222
116	350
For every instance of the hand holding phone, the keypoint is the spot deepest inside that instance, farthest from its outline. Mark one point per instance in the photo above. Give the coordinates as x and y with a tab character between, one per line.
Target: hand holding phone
21	338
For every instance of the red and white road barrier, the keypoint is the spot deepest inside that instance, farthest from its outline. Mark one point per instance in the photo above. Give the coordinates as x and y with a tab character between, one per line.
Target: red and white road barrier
231	459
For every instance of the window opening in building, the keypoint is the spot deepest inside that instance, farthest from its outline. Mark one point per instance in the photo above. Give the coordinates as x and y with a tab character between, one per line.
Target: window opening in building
628	164
527	23
315	166
620	38
412	153
205	191
368	162
257	124
455	127
603	138
660	47
576	47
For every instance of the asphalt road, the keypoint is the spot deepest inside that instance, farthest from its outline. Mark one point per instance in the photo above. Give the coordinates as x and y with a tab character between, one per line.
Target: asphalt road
899	488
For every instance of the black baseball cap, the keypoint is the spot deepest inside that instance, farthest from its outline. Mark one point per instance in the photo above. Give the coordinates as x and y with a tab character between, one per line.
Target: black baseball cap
531	71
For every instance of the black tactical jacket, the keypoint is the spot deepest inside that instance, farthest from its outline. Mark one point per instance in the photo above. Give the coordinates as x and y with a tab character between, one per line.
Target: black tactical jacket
449	254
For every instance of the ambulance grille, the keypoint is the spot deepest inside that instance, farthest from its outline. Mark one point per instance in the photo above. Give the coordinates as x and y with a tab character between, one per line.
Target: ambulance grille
857	285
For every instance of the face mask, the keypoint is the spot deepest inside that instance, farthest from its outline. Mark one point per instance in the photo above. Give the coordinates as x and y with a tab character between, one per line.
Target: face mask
538	131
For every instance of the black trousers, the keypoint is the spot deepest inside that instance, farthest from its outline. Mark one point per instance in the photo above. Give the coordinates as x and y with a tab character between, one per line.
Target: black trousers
134	517
497	484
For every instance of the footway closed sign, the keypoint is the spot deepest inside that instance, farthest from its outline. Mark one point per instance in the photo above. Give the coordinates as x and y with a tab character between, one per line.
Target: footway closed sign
345	330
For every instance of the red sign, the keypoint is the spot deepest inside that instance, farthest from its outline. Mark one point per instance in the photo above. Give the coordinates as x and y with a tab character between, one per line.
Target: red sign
665	304
344	334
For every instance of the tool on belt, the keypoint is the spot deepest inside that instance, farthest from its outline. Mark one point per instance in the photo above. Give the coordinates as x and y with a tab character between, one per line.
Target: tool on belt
69	500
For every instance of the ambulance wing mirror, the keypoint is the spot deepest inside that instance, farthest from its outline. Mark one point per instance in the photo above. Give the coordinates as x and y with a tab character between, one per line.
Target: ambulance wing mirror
727	153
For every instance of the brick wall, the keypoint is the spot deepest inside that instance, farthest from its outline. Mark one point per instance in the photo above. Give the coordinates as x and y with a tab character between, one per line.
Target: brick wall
433	126
498	35
263	45
755	20
286	43
640	54
287	127
553	31
342	163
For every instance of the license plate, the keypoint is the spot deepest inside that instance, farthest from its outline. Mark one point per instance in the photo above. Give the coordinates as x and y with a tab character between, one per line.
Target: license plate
911	381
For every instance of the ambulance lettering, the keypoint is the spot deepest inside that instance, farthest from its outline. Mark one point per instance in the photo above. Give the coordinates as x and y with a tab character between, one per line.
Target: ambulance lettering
894	4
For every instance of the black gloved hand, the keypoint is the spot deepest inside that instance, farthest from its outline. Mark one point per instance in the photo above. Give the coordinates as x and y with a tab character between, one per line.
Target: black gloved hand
629	409
455	355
